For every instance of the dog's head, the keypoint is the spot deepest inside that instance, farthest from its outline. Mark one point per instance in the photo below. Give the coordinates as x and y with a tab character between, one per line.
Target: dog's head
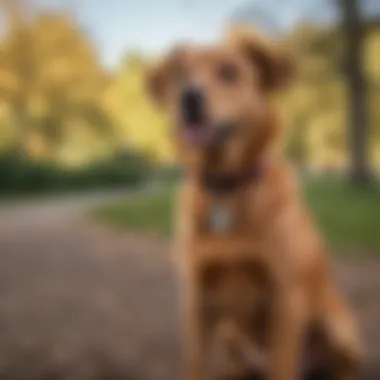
219	95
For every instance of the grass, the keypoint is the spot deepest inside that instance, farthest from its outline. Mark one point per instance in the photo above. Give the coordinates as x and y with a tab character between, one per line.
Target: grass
146	212
349	218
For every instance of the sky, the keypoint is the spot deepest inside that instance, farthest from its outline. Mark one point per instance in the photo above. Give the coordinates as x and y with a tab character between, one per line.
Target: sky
149	26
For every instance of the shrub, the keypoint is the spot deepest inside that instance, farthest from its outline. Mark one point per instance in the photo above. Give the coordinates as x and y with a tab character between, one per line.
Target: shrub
21	175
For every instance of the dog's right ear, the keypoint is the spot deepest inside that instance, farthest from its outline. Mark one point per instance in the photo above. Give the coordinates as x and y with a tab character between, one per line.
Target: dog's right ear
164	73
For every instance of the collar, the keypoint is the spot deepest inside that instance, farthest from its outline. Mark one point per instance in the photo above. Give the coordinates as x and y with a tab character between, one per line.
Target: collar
227	183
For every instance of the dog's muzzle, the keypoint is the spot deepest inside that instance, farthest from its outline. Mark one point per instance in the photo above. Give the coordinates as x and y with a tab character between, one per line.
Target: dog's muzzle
193	107
196	126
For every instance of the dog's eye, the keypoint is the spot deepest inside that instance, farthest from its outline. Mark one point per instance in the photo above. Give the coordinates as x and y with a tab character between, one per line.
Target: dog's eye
228	73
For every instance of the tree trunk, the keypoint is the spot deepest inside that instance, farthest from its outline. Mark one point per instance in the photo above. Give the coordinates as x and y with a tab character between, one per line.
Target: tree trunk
360	174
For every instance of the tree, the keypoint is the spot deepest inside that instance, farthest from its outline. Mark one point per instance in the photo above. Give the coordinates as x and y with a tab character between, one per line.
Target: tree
356	83
141	125
51	80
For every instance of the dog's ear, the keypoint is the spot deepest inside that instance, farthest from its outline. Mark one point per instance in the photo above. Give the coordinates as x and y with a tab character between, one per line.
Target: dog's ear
161	74
275	67
155	81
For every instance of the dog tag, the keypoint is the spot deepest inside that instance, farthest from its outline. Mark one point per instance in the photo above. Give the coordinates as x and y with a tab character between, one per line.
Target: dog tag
220	219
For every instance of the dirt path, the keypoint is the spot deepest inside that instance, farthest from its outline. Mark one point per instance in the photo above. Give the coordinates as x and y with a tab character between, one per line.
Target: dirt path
78	301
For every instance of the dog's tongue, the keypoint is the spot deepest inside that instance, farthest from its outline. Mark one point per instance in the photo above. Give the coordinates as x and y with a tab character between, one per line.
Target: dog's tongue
196	134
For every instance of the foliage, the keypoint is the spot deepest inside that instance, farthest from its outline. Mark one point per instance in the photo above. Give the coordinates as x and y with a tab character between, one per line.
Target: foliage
317	106
347	217
136	118
51	87
20	175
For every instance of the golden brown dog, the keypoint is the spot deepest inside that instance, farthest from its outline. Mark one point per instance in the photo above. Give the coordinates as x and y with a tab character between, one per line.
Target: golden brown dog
258	292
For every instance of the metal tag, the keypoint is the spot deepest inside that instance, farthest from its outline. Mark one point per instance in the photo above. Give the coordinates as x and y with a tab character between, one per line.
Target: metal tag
220	219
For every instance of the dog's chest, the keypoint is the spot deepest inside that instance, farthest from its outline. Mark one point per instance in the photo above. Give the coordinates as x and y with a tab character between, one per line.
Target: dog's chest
237	290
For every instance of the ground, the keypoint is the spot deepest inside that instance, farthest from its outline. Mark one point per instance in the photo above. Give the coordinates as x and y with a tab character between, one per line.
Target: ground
81	301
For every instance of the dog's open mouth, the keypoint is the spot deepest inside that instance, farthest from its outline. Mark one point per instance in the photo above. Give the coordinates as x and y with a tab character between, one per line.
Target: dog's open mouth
198	134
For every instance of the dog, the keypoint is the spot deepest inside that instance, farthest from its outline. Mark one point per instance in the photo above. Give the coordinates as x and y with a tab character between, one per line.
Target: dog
258	295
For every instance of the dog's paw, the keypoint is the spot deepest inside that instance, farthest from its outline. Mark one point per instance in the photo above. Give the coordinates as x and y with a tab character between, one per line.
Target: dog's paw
253	375
319	373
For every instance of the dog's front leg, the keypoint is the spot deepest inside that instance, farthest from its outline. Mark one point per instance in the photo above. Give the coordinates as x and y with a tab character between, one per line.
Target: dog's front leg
193	324
342	335
195	336
289	322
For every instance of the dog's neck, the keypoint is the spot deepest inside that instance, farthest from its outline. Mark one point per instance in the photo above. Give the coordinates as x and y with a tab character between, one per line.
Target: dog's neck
222	174
224	190
222	182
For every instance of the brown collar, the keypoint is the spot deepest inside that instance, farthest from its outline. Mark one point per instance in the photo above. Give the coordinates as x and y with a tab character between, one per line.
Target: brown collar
223	184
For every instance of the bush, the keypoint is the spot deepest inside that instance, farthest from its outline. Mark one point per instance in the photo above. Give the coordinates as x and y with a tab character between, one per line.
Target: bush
21	175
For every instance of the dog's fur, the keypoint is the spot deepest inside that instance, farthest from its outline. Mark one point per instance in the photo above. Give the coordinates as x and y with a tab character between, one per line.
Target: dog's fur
254	293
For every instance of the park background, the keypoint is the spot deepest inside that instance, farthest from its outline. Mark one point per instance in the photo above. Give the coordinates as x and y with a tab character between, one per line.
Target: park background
88	174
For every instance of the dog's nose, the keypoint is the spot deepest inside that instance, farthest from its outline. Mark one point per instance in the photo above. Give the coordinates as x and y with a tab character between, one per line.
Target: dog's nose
192	106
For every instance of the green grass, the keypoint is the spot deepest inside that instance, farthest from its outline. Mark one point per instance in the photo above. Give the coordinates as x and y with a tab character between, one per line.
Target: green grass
146	212
348	218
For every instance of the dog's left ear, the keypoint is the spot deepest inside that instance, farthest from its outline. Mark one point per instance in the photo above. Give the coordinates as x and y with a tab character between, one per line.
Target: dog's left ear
155	80
275	67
